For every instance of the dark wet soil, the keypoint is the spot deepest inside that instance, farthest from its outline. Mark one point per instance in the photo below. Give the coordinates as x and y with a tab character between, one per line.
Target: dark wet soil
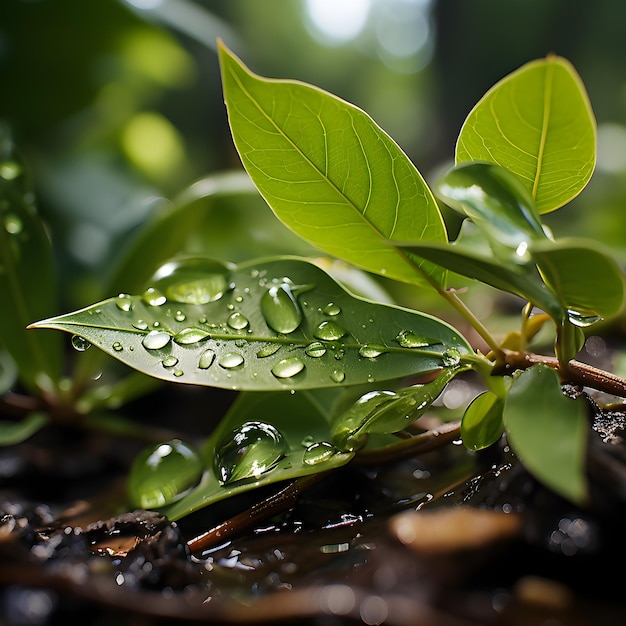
445	538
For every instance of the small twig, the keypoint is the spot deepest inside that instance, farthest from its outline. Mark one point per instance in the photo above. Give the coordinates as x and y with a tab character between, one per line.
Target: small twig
269	507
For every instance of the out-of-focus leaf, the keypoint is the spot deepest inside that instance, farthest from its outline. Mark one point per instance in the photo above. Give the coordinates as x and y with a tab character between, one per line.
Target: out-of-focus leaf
482	425
331	174
538	123
8	371
277	324
548	431
12	433
28	286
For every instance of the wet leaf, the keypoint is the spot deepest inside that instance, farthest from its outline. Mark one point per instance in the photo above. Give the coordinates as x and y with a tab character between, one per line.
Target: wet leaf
28	288
12	433
538	123
548	431
331	174
277	324
240	447
482	425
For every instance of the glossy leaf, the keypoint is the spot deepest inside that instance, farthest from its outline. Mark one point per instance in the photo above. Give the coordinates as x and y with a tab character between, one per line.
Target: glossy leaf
277	324
587	282
305	447
538	123
481	425
28	288
548	431
331	174
386	412
12	433
495	200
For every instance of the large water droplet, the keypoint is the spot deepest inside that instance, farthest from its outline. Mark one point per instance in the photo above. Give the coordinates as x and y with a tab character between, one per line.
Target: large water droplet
179	316
206	359
163	474
231	360
451	357
169	361
280	308
329	330
582	320
337	376
140	325
288	367
238	321
332	309
318	453
315	349
371	350
13	224
192	281
80	343
248	452
153	297
268	350
124	302
156	339
408	339
191	335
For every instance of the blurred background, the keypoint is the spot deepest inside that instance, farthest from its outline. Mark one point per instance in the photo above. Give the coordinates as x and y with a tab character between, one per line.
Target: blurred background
117	106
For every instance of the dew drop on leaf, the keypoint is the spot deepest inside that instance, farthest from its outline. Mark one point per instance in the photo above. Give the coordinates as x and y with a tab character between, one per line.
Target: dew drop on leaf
318	452
140	325
124	302
190	335
248	452
371	350
231	360
206	359
80	343
408	339
329	331
288	367
156	339
163	474
338	376
280	308
179	316
315	349
582	320
169	361
451	357
268	350
192	281
153	297
117	346
332	309
238	321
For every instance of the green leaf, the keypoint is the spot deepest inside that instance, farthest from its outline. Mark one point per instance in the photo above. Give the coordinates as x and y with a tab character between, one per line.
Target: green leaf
587	282
274	324
548	431
28	287
386	412
495	200
523	281
538	123
331	174
8	372
301	449
481	425
12	433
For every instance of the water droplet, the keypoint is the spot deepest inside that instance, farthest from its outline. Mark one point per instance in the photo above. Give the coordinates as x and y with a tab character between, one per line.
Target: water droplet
156	339
124	302
451	357
169	361
315	349
248	452
288	367
231	360
13	224
268	350
178	373
408	339
80	343
163	474
9	170
582	320
206	359
337	376
117	346
140	325
191	335
280	308
318	453
179	316
332	309
238	321
371	350
153	297
329	331
192	281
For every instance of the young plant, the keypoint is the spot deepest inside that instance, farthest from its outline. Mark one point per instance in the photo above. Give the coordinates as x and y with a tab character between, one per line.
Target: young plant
364	371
